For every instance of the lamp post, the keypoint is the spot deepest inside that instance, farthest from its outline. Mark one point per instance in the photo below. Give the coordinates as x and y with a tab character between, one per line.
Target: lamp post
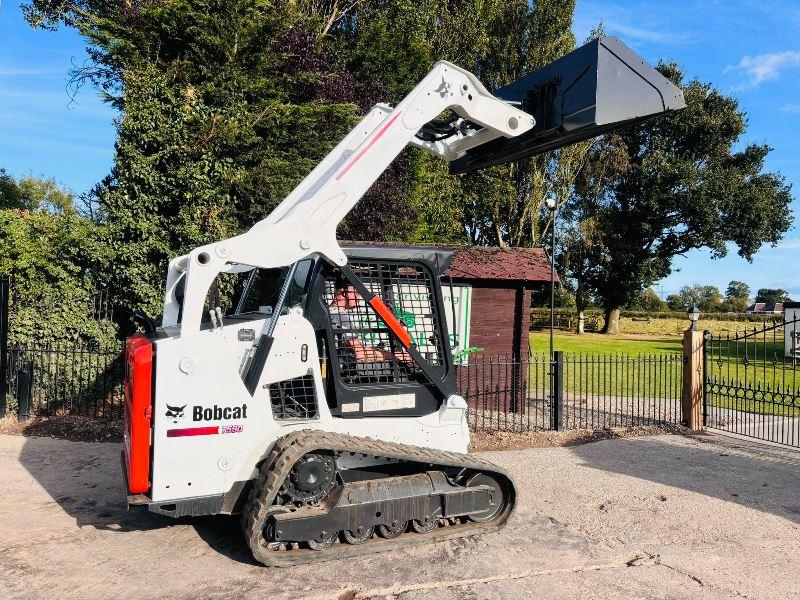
694	316
552	205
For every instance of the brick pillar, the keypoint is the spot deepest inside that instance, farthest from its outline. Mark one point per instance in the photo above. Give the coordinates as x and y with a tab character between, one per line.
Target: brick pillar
692	398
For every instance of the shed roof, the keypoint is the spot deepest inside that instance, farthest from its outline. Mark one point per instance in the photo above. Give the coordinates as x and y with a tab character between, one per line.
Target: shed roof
487	263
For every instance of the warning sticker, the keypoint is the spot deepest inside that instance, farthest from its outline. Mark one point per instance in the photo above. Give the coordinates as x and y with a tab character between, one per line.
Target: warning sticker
391	402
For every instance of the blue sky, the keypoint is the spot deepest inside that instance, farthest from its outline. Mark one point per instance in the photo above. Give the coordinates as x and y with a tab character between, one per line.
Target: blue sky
747	48
42	131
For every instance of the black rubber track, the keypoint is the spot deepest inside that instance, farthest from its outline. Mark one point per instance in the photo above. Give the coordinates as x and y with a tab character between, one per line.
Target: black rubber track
290	448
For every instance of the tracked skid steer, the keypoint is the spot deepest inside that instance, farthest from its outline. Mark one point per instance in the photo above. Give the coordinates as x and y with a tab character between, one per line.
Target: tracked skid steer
323	407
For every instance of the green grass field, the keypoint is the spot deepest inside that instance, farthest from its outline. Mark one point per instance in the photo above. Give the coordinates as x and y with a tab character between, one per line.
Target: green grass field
600	366
597	343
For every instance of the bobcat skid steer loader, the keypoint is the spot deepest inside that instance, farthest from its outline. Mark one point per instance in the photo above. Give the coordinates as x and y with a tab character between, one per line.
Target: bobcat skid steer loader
311	409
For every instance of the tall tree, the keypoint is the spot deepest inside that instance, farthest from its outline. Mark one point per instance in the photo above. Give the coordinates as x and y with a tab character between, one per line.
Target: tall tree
675	302
509	207
738	290
772	296
737	296
683	187
648	300
389	45
226	105
705	297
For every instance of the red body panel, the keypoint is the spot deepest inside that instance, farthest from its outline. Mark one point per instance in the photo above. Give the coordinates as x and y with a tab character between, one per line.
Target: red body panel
138	411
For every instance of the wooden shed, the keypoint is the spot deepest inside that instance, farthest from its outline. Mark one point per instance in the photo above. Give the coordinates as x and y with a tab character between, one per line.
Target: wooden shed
502	280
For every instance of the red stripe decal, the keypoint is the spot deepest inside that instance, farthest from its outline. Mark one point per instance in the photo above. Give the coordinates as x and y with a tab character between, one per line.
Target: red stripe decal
367	147
192	431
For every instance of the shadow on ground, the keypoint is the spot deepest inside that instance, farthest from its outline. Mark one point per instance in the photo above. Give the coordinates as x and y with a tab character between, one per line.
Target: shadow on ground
759	477
87	484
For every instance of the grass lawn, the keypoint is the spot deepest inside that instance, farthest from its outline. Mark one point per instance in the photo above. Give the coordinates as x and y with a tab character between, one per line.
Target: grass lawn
597	343
614	367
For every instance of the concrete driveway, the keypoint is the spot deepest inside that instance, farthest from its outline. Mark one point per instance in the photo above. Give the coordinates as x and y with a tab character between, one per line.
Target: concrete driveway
648	517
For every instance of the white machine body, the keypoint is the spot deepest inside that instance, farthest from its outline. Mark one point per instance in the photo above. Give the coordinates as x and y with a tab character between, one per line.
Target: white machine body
208	430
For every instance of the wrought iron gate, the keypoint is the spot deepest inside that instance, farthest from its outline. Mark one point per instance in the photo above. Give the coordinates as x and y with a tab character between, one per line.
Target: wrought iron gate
752	380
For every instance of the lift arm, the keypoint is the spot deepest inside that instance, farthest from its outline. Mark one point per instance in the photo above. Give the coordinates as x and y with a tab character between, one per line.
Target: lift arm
595	89
305	222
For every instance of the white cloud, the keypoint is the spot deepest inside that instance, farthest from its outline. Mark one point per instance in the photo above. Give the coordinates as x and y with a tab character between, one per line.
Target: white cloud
639	24
791	107
764	67
790	244
655	36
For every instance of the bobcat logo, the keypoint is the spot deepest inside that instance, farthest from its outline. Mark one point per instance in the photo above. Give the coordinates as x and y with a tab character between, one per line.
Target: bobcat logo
443	90
175	412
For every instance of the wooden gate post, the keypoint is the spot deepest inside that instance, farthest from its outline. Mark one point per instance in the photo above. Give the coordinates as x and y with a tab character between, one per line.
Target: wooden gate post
693	380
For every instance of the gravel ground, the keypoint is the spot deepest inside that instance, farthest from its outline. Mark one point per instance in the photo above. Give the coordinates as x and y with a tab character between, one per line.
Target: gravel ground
665	516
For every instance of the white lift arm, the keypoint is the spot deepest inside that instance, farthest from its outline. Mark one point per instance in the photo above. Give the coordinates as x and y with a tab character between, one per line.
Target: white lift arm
305	222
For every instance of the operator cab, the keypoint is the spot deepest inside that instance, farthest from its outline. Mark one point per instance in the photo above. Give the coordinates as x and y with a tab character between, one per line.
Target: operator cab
366	368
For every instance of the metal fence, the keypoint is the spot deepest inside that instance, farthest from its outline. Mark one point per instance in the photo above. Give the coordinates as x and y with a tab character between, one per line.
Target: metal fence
65	378
575	391
505	394
610	390
752	382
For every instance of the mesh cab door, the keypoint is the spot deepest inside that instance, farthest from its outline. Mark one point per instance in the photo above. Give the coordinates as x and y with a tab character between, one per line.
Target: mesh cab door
369	371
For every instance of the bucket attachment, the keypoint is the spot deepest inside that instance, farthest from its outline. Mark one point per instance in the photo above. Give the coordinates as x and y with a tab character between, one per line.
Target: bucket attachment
595	89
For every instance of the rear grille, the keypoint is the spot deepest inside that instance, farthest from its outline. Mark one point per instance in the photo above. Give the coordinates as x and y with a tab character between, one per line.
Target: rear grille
294	398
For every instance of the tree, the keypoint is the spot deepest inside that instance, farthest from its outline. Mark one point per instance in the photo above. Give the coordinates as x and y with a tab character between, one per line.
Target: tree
10	192
705	297
682	186
737	296
738	290
675	302
736	305
226	106
390	45
771	296
52	255
649	301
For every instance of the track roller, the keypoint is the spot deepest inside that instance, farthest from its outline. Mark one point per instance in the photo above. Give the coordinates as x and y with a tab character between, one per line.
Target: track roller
425	525
393	530
358	537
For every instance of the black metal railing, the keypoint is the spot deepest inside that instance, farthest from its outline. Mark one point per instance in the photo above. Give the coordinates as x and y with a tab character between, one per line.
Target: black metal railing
65	378
575	391
507	394
751	385
615	390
